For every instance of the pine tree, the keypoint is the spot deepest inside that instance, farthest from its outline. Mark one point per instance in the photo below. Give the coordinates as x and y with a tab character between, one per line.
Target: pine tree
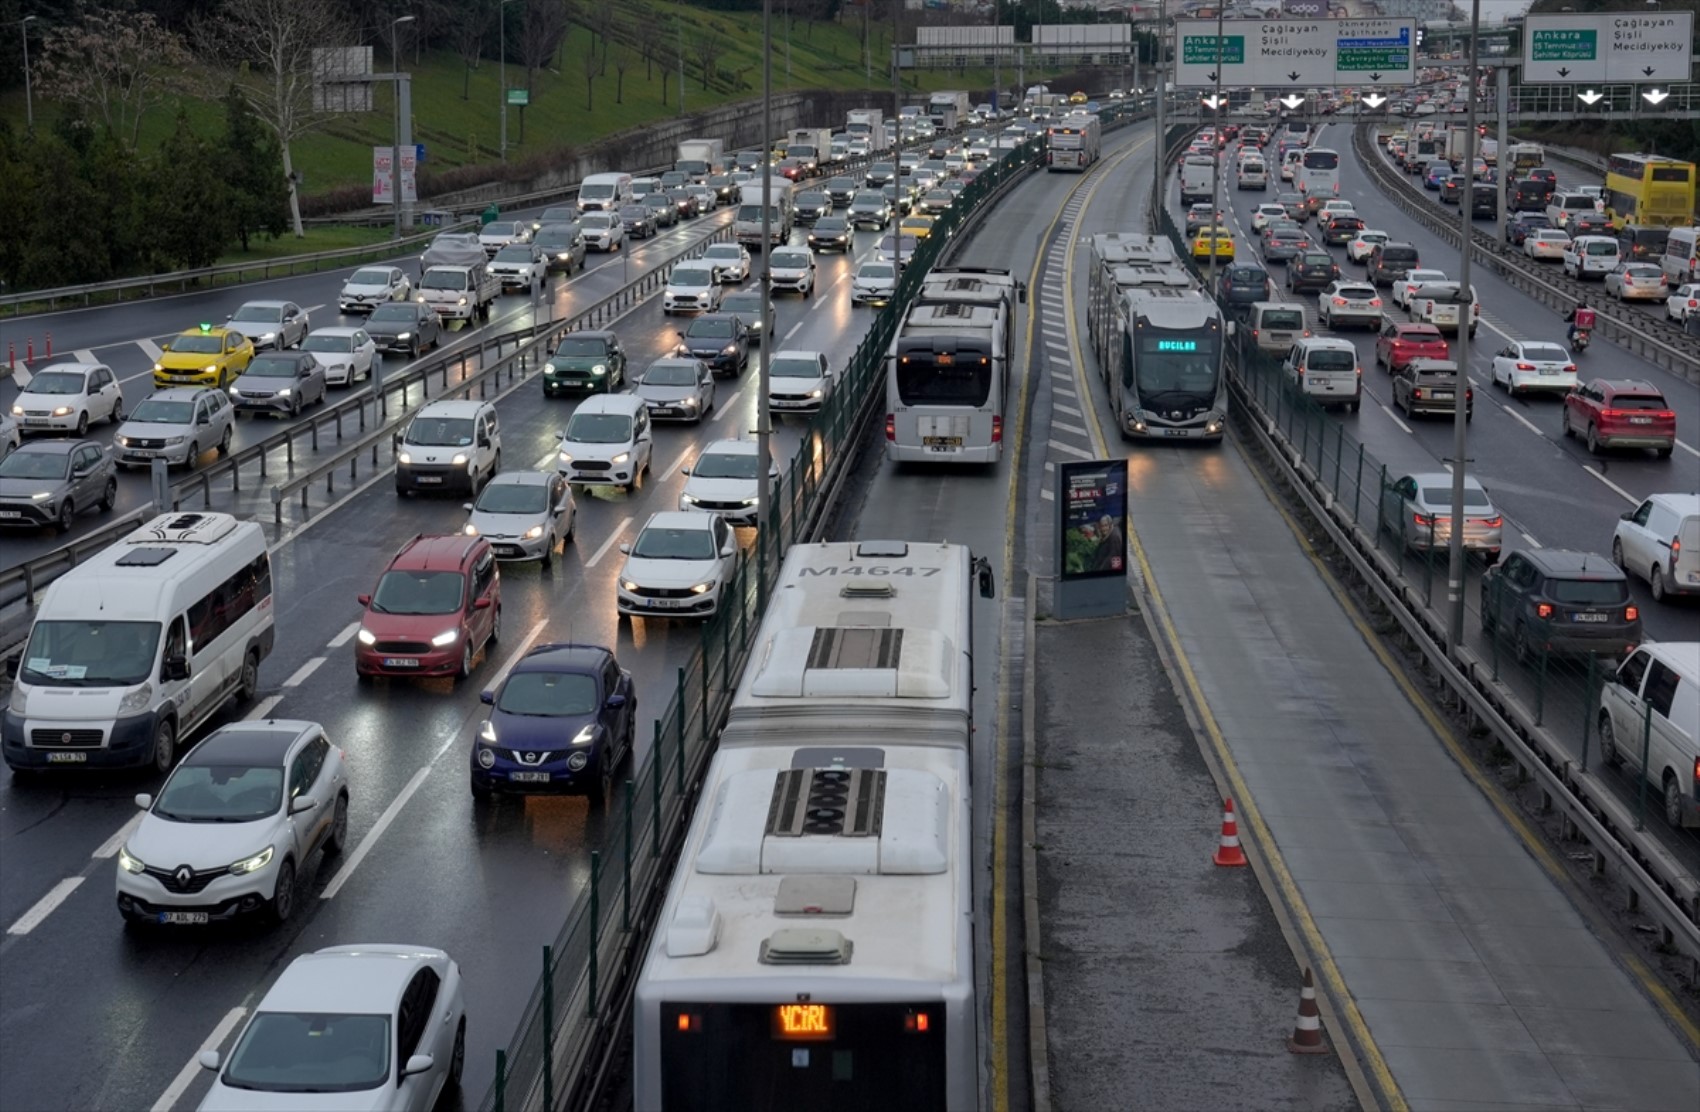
250	158
188	200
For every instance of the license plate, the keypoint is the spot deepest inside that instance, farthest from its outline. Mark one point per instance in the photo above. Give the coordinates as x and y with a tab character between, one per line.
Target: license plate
36	421
1443	395
67	758
401	662
10	514
143	453
1549	370
664	411
1357	305
428	478
664	603
942	441
1588	617
182	918
1640	420
1176	432
529	777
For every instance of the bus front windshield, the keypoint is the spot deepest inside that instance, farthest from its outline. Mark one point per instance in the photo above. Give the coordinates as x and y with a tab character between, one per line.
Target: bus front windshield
943	378
1171	365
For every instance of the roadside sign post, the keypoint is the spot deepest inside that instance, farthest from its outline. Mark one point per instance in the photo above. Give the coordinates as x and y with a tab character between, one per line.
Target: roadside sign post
1598	47
160	478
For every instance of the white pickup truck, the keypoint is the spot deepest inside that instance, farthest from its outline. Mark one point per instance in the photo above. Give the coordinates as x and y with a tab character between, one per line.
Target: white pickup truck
461	291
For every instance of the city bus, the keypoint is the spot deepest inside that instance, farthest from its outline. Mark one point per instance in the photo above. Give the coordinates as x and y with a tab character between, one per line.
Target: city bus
1649	189
1318	176
1073	144
947	372
816	946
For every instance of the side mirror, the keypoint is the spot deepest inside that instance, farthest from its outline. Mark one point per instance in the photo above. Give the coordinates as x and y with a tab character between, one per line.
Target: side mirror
301	803
204	419
209	1059
488	698
685	471
615	702
364	600
12	664
467	506
144	800
729	550
175	668
482	603
625	548
419	1063
983	575
1627	515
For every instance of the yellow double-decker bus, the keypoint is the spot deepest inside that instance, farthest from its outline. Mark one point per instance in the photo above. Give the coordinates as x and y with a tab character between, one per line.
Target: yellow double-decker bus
1645	189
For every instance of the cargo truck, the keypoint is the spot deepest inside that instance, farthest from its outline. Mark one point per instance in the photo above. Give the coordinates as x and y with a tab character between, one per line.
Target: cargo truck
811	144
464	291
700	158
948	109
746	225
869	123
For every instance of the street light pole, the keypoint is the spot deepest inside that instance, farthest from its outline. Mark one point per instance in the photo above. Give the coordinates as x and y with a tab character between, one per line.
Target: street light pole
1217	155
502	93
1157	79
29	95
764	424
395	149
1460	392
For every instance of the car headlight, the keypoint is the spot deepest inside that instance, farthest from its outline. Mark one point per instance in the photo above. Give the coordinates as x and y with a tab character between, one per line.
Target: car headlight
157	368
729	349
253	864
366	637
42	496
462	301
268	337
586	735
469	529
628	585
565	457
123	441
447	637
563	254
459	460
62	411
814	393
135	702
687	500
621	458
404	335
599	369
702	588
284	393
750	501
404	457
210	368
487	732
128	862
534	532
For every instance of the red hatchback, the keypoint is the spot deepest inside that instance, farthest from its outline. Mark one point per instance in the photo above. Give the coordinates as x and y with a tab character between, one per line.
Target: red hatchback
1620	414
437	605
1399	343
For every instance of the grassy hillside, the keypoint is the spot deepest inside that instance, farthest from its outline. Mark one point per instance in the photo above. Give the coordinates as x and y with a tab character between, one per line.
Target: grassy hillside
464	131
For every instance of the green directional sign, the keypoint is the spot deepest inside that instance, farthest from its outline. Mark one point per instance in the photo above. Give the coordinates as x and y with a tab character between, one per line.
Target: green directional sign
1576	45
519	97
1201	50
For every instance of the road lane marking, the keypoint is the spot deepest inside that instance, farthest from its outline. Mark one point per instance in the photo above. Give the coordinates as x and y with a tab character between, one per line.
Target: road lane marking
1069	449
84	355
263	709
602	550
152	350
673	467
353	860
303	672
44	907
110	847
347	635
794	329
1522	420
1633	501
186	1076
1395	418
1533	543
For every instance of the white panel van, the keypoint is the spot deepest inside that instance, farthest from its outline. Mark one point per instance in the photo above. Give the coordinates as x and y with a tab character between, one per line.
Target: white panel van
134	650
605	192
1681	260
1651	705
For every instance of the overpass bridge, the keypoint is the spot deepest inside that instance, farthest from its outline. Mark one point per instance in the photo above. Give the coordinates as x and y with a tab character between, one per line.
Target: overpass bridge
1526	104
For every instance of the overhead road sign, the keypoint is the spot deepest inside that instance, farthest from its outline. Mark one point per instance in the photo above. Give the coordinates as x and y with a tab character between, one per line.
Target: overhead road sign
1597	47
1296	53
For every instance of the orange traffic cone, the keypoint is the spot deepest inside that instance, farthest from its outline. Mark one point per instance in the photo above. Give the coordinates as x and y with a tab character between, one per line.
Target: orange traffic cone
1307	1032
1228	853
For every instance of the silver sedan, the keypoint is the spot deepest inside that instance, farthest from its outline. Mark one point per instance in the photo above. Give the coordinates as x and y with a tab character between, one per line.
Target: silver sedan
1641	281
1418	510
677	389
524	515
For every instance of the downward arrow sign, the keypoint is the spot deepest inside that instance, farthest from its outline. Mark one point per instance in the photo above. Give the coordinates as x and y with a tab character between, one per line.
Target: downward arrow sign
1292	100
1211	75
1375	77
1648	71
1590	98
1375	100
1564	71
1655	97
1294	76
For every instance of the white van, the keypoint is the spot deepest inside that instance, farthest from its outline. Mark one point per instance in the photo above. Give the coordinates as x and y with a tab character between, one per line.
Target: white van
1591	256
134	650
1253	173
449	446
1277	325
1681	260
608	442
1659	541
605	192
1198	178
1652	702
1326	370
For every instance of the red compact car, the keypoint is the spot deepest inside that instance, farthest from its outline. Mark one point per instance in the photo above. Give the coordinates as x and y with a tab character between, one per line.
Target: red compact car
1399	343
437	605
1620	414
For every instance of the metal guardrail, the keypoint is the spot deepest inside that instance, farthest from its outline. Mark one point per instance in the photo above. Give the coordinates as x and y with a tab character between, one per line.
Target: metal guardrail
1646	334
1335	476
181	281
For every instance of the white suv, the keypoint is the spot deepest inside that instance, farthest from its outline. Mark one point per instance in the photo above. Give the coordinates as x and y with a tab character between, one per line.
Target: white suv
792	268
693	287
607	442
723	481
677	567
234	826
602	231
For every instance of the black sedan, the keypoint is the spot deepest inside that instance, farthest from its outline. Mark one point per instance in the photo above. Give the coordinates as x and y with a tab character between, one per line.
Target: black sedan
830	233
1312	270
404	326
722	340
638	221
561	723
49	482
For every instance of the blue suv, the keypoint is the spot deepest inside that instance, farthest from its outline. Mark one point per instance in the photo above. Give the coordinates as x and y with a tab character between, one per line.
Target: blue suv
560	724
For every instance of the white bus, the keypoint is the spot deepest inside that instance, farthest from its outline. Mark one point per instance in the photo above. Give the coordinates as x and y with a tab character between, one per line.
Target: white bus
1122	261
152	635
1073	144
1318	176
947	372
816	949
1166	378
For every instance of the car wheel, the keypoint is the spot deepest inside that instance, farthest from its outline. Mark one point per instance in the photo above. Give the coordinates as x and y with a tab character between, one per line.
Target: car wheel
83	423
1617	552
67	515
1673	802
295	407
338	838
164	752
1593	440
1656	583
495	629
116	417
192	460
465	668
250	679
109	495
413	350
283	897
549	551
457	1058
224	442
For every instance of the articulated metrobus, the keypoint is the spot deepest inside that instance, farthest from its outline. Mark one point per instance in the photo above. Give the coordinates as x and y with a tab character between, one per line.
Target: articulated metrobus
816	946
1648	189
1073	144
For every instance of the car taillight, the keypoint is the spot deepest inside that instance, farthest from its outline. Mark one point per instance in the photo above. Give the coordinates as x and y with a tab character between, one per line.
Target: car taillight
1697	772
1570	368
1339	301
1631	613
1417	393
1422	519
1307	332
1469	395
891	426
1525	366
1544	610
1254	333
1493	522
1375	302
997	428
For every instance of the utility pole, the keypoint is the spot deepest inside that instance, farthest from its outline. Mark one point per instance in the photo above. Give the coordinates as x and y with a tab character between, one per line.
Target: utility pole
1217	155
1460	392
502	95
764	423
1502	173
1162	167
679	28
403	107
29	94
997	57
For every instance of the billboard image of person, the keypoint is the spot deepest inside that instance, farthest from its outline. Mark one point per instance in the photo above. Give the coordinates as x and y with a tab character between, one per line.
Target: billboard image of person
1092	499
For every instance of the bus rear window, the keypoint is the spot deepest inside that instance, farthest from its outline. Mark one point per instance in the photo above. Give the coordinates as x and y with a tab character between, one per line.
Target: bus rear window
955	378
1670	173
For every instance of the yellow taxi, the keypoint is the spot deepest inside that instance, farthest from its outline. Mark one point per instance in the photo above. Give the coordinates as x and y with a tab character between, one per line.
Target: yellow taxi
918	226
1077	97
203	356
1213	241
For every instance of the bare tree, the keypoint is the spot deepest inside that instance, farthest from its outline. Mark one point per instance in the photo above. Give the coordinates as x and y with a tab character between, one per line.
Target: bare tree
114	66
592	63
708	46
545	27
647	26
602	22
622	61
270	44
468	37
